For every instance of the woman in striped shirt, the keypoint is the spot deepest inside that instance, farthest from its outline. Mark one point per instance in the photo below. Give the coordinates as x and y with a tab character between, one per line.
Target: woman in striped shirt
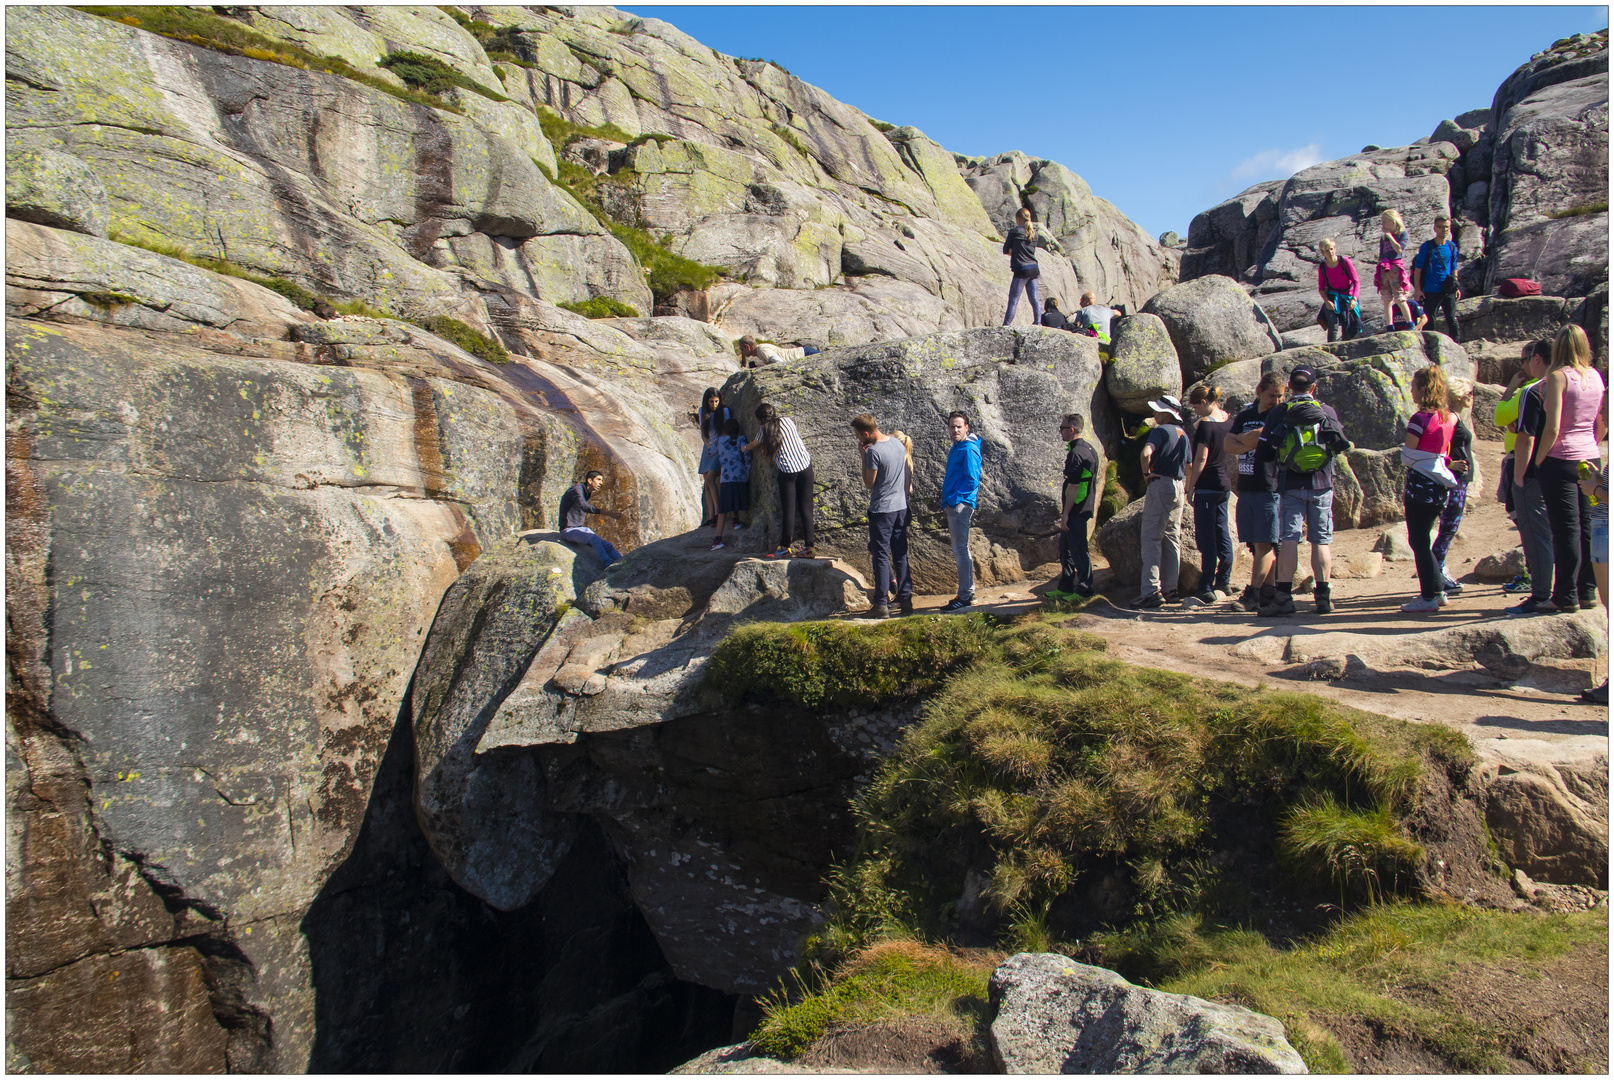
778	438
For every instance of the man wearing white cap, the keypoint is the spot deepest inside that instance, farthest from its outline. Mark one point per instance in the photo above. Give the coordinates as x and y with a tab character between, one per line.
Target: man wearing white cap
1164	460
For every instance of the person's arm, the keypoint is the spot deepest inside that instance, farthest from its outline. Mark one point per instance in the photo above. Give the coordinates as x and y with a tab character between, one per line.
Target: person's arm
1095	483
1241	444
869	475
1201	456
1522	447
1322	279
972	465
1553	400
1145	458
1067	499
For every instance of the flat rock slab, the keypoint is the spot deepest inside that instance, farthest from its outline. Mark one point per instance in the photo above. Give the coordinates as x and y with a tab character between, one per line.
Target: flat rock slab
743	1058
1057	1016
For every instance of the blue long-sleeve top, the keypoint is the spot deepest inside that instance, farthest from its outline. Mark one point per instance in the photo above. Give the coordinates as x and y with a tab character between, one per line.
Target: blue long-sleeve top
963	479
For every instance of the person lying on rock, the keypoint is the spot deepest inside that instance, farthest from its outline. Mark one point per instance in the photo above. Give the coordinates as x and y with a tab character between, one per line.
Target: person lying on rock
885	475
574	505
754	353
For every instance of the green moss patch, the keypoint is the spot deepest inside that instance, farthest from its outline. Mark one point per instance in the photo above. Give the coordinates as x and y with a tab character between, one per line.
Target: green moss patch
602	307
209	31
431	76
477	344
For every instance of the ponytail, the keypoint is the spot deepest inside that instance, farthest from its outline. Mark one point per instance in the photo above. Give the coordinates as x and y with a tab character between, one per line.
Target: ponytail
1022	217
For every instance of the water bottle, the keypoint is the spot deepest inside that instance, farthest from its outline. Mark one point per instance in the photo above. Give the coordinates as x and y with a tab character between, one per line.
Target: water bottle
1587	471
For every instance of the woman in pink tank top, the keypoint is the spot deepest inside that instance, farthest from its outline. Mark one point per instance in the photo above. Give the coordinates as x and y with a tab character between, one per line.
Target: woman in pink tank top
1573	394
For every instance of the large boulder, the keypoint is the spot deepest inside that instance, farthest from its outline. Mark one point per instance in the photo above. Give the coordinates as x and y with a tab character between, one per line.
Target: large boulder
1549	181
1057	1016
1512	321
1143	364
1237	382
1547	805
1120	540
1368	381
865	310
1014	384
1368	488
1212	321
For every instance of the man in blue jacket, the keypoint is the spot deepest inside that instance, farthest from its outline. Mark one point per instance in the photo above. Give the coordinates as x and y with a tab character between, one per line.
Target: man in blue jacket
960	489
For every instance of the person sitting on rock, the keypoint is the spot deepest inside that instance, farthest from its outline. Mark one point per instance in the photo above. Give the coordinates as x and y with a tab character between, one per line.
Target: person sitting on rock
1337	283
1420	318
1303	436
1164	463
1051	315
1390	277
734	493
1021	248
1434	273
573	525
1098	315
885	475
1078	501
961	486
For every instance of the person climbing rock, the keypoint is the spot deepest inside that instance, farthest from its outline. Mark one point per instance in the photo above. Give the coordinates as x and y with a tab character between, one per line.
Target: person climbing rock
575	505
778	438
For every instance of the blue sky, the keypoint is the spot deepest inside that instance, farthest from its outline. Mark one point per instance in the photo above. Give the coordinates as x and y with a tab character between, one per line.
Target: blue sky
1164	111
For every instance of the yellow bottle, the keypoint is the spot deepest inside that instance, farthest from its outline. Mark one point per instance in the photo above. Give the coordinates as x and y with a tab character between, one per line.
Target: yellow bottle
1587	470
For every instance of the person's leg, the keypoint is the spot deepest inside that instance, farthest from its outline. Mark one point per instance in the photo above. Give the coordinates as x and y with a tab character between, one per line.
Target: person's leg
899	558
1205	537
787	508
1448	307
1081	560
880	526
1035	296
1016	285
1421	517
958	528
1450	518
1170	537
1330	320
1150	534
1224	544
1560	490
709	495
1586	581
805	497
1535	534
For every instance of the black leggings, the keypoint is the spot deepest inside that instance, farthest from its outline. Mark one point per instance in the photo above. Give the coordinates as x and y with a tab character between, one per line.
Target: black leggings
1421	518
1569	513
796	498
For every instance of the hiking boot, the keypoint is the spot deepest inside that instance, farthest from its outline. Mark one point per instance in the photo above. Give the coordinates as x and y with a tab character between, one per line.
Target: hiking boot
958	603
1565	607
1324	595
1598	695
1530	606
1152	602
1250	598
905	606
1171	598
1282	604
879	611
1423	603
1205	597
1520	583
1588	601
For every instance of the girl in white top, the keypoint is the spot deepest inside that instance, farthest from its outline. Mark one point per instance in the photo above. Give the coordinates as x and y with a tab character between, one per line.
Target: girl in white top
778	438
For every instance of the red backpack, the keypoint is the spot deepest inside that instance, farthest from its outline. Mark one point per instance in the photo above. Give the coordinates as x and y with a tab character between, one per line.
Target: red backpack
1515	287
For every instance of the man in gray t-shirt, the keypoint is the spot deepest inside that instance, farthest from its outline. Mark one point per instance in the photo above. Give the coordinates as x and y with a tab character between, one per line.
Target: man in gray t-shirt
885	474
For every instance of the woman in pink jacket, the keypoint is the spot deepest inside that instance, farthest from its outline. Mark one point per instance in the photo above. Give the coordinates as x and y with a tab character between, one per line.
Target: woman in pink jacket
1339	286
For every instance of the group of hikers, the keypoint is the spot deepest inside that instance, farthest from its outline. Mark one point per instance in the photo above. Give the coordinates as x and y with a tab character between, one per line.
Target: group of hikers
1407	294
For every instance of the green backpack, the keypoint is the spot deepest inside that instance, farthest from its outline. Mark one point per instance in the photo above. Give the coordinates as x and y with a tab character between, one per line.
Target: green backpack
1304	449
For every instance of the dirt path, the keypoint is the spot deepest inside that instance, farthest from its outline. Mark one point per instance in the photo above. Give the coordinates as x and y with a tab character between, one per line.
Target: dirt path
1542	704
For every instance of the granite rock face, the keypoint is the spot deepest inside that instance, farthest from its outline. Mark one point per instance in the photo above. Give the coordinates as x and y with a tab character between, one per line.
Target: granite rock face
1057	1016
1143	364
1014	384
1212	322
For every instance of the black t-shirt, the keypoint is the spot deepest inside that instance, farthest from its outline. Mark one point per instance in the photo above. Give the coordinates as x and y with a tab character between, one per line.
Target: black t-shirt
1081	469
1258	470
1055	320
573	505
1170	457
1462	449
1020	249
1532	420
1215	476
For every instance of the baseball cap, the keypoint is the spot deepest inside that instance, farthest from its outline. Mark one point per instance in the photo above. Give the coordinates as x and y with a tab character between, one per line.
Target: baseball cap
1302	376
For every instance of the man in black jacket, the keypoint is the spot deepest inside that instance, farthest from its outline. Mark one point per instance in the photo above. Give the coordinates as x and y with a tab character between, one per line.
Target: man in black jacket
1305	491
1080	499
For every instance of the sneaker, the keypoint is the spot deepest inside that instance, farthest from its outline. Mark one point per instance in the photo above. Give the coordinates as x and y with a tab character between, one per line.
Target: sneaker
778	553
738	526
879	611
1520	583
1450	586
708	523
1423	603
807	553
1057	595
1441	600
957	603
1171	597
1588	601
1282	604
905	606
1205	597
1530	606
1250	598
717	545
1152	602
1597	695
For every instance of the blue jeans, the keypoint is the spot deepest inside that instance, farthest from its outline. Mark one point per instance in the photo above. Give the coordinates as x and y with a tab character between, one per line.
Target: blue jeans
888	550
1029	286
602	546
958	527
1214	540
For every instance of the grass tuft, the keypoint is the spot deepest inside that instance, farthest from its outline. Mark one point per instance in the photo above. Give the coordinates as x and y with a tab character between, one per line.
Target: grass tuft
602	307
1363	851
477	344
1581	211
431	76
106	301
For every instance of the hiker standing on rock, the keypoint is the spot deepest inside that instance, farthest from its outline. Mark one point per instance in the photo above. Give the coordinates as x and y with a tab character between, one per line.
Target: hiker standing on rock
885	475
1303	435
1572	398
573	524
1078	501
1434	274
1021	248
1390	278
1212	488
1429	480
1164	461
1529	505
1257	511
961	486
712	415
1340	288
778	438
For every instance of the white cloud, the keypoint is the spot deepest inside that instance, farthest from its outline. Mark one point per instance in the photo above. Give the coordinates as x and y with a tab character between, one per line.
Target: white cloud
1268	165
